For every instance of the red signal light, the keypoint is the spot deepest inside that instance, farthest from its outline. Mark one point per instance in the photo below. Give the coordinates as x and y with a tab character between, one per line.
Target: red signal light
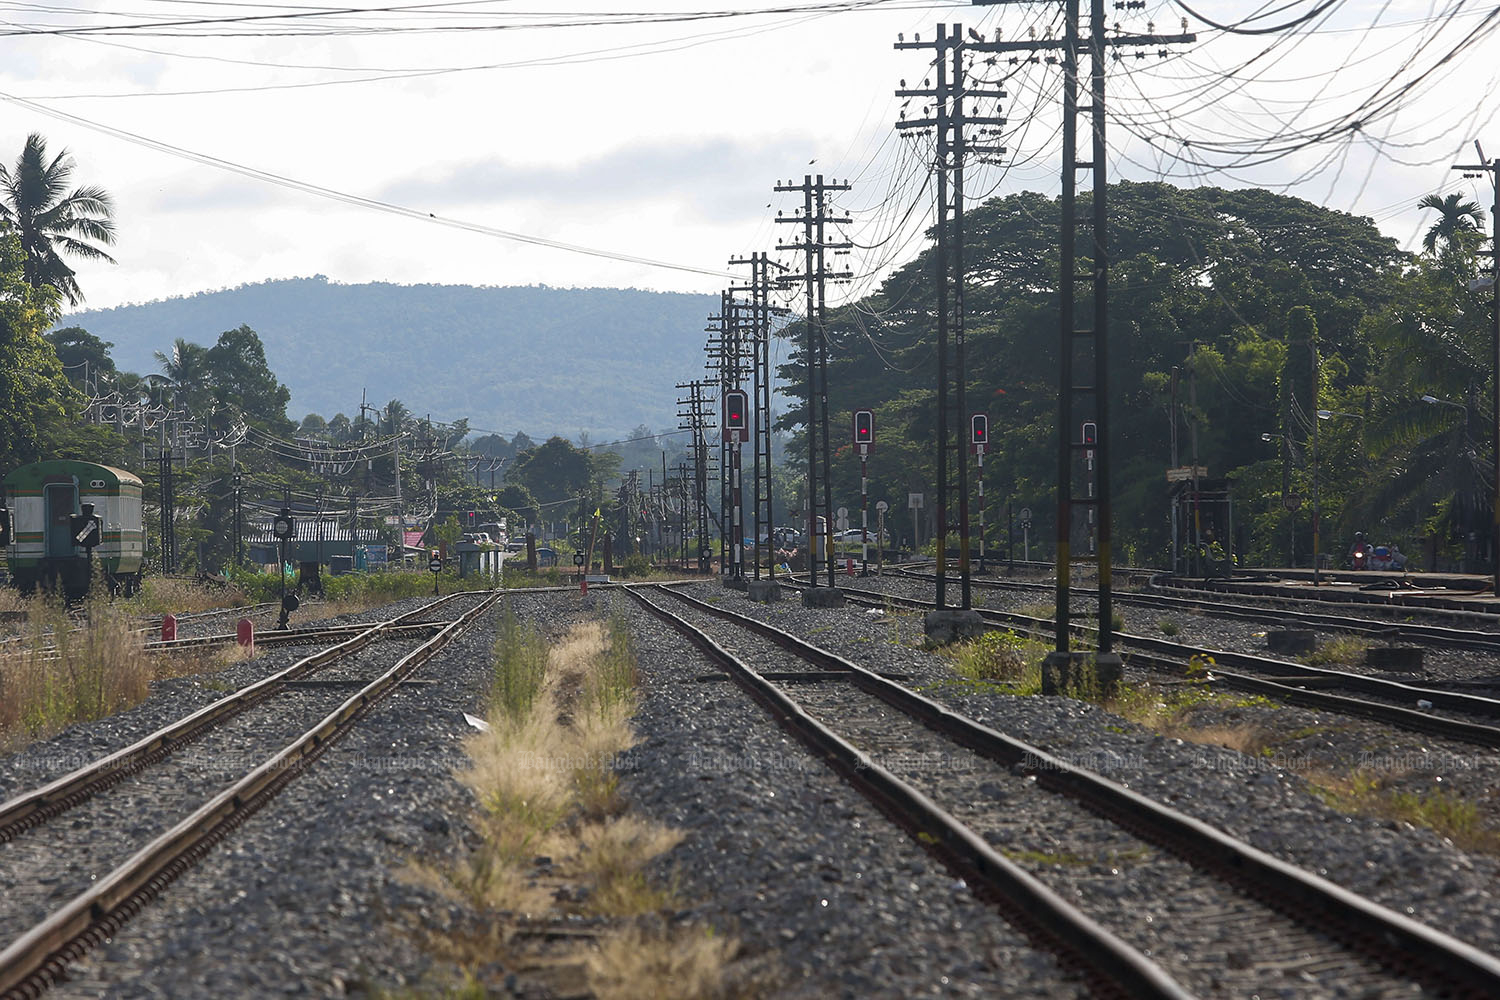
864	427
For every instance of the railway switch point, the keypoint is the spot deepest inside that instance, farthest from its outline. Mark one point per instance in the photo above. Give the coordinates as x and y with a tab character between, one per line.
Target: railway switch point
1081	670
822	597
946	625
764	591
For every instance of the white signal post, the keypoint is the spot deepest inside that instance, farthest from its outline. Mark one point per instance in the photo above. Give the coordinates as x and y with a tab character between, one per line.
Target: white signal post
864	437
979	437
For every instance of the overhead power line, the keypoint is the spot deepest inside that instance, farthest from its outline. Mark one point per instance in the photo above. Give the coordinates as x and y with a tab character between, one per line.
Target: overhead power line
345	197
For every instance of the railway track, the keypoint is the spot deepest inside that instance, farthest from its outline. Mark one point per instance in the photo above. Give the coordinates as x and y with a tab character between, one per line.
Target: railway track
1471	718
173	772
1273	921
1216	605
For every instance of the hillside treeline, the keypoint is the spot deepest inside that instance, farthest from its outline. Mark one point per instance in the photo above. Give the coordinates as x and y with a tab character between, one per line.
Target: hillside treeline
1264	309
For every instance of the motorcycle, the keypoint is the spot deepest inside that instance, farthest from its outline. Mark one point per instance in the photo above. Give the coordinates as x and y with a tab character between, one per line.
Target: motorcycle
1359	560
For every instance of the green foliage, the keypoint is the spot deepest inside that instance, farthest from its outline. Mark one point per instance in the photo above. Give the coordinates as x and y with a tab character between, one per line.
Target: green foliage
520	663
554	471
1002	655
35	203
1222	270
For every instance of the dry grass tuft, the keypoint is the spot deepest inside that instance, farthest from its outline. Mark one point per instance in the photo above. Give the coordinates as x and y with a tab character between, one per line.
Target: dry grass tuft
614	856
685	963
55	674
543	775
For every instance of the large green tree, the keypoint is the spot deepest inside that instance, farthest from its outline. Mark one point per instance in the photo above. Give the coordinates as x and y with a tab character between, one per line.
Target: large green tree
554	470
81	353
50	220
1205	274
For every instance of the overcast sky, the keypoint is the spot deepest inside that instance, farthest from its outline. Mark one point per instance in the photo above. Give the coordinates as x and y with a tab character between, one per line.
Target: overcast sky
664	140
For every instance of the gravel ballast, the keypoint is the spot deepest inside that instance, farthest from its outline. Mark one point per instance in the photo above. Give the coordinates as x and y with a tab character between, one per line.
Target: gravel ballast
308	897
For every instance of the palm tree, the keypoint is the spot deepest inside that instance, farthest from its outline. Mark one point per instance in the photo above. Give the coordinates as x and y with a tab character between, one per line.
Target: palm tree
48	218
1458	226
187	369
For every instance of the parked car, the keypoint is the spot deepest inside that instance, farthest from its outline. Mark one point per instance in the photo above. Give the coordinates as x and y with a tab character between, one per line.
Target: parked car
546	557
855	535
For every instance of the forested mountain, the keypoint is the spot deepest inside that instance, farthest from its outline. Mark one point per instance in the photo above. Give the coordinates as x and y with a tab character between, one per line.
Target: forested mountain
535	359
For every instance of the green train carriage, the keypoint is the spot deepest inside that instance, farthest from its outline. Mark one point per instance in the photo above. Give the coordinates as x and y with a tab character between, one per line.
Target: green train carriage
43	496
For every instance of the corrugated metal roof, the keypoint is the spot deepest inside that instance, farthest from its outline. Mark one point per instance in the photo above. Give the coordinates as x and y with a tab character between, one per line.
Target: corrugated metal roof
307	528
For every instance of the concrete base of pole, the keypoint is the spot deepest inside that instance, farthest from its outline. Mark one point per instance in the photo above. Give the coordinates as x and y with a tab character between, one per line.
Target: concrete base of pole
822	597
1081	673
1296	642
1405	658
734	582
952	624
764	591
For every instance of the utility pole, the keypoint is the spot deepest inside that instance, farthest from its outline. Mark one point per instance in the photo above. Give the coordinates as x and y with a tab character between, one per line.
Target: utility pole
949	121
1072	338
815	276
1491	167
697	421
761	312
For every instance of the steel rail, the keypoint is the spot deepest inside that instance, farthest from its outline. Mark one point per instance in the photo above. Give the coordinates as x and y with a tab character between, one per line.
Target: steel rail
1389	938
278	637
1281	678
1411	631
40	956
34	807
1070	929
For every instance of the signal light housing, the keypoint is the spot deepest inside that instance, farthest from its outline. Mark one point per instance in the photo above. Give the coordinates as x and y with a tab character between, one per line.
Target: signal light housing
979	429
864	428
1090	432
736	422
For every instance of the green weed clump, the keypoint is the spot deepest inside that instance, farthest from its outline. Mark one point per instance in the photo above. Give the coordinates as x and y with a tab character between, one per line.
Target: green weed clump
1342	650
1002	656
520	657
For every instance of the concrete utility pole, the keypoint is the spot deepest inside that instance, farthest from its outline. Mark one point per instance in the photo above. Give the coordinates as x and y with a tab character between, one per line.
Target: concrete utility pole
761	312
1492	167
815	276
949	121
697	421
1095	336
